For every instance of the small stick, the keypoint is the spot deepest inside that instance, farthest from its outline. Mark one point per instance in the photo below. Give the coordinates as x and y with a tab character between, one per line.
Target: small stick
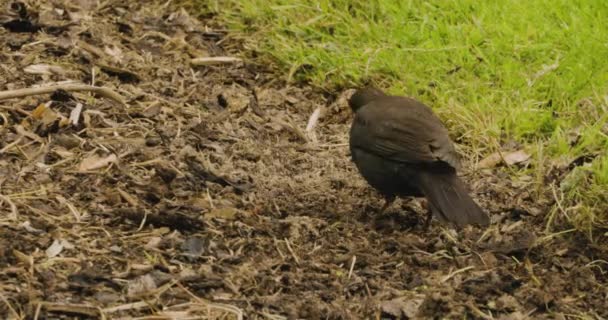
10	145
278	249
293	129
478	312
314	118
293	254
205	61
220	306
102	91
352	266
9	306
128	306
80	309
453	273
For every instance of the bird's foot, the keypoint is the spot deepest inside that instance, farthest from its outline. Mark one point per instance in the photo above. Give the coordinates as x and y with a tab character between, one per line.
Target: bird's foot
388	200
396	221
428	220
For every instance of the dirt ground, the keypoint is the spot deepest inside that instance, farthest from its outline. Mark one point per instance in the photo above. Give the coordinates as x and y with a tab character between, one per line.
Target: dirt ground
204	196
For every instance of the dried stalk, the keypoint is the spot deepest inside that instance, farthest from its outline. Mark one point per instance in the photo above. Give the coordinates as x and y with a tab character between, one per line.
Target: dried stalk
102	91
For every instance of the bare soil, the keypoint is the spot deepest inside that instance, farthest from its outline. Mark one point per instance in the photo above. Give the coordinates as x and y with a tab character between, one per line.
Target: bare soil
205	197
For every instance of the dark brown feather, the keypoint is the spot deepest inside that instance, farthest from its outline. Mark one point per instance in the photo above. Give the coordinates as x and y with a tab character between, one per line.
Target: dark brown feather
402	149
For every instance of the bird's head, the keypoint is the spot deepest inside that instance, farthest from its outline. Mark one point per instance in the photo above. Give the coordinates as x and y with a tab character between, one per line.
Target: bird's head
364	96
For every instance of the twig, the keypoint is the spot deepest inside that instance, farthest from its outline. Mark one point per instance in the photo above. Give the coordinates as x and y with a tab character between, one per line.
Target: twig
206	61
273	316
14	213
478	312
128	198
11	145
102	91
80	309
278	249
128	306
314	118
90	48
37	313
293	129
293	254
220	306
9	306
558	201
352	266
4	120
143	222
75	114
70	206
452	274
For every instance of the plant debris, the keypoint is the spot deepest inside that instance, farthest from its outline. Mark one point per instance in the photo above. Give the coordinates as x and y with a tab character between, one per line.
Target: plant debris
217	190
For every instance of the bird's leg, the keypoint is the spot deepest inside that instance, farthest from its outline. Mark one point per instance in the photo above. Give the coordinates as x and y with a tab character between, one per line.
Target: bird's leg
429	213
427	221
388	200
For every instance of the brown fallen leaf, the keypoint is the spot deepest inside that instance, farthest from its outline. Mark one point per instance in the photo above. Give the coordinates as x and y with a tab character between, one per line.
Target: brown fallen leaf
23	258
44	69
45	114
55	249
96	162
401	307
507	302
139	286
515	157
490	161
223	213
497	158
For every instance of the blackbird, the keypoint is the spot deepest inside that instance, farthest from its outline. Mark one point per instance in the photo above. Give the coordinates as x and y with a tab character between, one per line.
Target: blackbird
402	149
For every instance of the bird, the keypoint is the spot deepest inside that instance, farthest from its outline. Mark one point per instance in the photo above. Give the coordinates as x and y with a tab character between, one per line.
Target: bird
402	149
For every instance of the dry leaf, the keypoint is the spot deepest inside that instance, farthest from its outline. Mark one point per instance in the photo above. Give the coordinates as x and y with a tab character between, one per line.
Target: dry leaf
23	258
75	114
151	110
28	227
402	307
195	246
515	157
44	112
141	285
490	161
44	69
223	213
153	243
314	118
24	132
507	302
509	158
96	162
63	153
55	249
115	52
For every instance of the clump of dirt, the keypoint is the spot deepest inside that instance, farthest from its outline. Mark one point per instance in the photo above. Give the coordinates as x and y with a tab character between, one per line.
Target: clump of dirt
195	185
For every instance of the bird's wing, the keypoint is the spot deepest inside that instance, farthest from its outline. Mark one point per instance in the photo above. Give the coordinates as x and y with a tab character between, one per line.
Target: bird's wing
402	130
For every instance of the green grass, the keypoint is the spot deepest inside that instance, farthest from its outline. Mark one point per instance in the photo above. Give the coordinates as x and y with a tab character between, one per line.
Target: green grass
531	71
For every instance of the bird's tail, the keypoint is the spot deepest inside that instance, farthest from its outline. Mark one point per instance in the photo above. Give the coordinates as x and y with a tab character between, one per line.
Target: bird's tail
449	199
